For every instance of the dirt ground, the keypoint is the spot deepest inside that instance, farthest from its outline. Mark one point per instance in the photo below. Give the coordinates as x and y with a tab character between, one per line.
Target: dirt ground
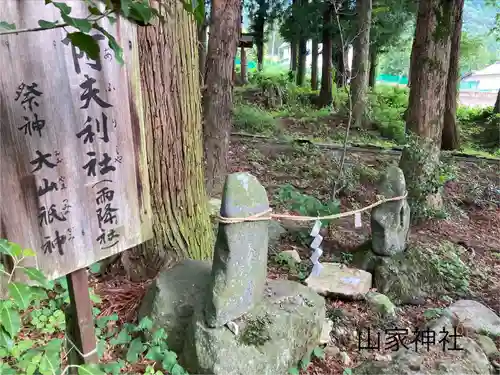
472	201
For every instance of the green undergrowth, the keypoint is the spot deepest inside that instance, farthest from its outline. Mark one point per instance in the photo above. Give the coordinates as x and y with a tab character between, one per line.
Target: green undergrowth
429	269
33	329
277	103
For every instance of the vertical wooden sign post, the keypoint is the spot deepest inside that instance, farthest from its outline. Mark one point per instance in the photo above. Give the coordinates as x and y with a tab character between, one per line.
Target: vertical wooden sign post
74	180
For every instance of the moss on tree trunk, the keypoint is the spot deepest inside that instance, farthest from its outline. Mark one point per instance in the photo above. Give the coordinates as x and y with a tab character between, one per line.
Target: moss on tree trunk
169	63
430	60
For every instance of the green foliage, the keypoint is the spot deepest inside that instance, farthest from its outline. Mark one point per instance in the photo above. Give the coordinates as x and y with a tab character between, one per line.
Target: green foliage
286	261
448	266
304	363
138	11
480	128
386	108
32	324
307	205
253	119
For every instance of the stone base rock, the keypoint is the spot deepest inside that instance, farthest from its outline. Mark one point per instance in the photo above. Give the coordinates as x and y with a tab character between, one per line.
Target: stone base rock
381	304
469	361
338	280
476	317
174	296
412	275
364	258
272	337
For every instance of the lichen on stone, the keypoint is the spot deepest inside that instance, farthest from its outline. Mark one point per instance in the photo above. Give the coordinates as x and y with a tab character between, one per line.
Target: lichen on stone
256	331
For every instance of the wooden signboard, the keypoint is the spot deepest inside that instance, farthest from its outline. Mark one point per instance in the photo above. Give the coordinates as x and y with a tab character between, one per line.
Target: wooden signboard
74	184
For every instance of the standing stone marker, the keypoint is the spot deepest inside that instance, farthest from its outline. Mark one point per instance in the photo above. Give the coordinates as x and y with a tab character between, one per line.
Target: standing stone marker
240	256
74	183
390	222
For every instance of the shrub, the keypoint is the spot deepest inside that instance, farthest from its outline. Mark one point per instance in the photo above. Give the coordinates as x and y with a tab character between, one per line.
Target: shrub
386	108
32	329
480	126
252	119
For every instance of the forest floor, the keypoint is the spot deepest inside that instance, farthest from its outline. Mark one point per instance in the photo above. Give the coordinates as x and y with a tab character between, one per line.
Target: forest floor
288	160
471	221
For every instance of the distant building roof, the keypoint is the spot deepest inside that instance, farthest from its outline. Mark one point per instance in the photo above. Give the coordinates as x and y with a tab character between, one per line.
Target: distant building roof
489	70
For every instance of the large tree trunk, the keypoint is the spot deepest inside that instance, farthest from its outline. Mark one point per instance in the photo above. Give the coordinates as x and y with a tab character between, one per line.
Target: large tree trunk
340	72
301	66
325	95
243	65
430	60
202	49
293	56
360	69
373	67
314	64
497	103
450	139
259	41
218	94
168	58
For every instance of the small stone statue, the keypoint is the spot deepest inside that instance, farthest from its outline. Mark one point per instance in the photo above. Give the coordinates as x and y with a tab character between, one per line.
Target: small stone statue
390	222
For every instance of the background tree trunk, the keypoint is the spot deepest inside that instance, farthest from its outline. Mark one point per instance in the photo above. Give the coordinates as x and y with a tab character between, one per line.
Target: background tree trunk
243	65
293	56
497	103
218	94
301	66
360	69
259	41
168	58
325	94
314	64
202	49
340	72
450	139
430	60
372	79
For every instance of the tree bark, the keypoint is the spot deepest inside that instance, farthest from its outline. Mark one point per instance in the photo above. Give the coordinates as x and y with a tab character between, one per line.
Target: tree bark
340	72
450	139
243	65
360	69
314	64
497	103
325	95
301	66
373	67
293	56
259	42
168	57
218	94
430	60
202	49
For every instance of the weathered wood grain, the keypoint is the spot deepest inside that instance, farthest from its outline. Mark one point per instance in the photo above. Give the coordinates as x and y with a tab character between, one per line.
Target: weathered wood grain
42	58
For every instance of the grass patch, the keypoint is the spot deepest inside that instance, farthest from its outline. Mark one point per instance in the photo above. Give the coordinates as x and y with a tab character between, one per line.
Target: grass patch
253	119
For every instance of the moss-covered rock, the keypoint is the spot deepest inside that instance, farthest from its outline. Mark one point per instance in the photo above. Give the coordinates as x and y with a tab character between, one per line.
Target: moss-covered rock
417	272
364	258
272	337
381	304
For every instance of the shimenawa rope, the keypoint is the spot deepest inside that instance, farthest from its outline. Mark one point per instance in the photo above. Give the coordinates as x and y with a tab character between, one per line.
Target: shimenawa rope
267	215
